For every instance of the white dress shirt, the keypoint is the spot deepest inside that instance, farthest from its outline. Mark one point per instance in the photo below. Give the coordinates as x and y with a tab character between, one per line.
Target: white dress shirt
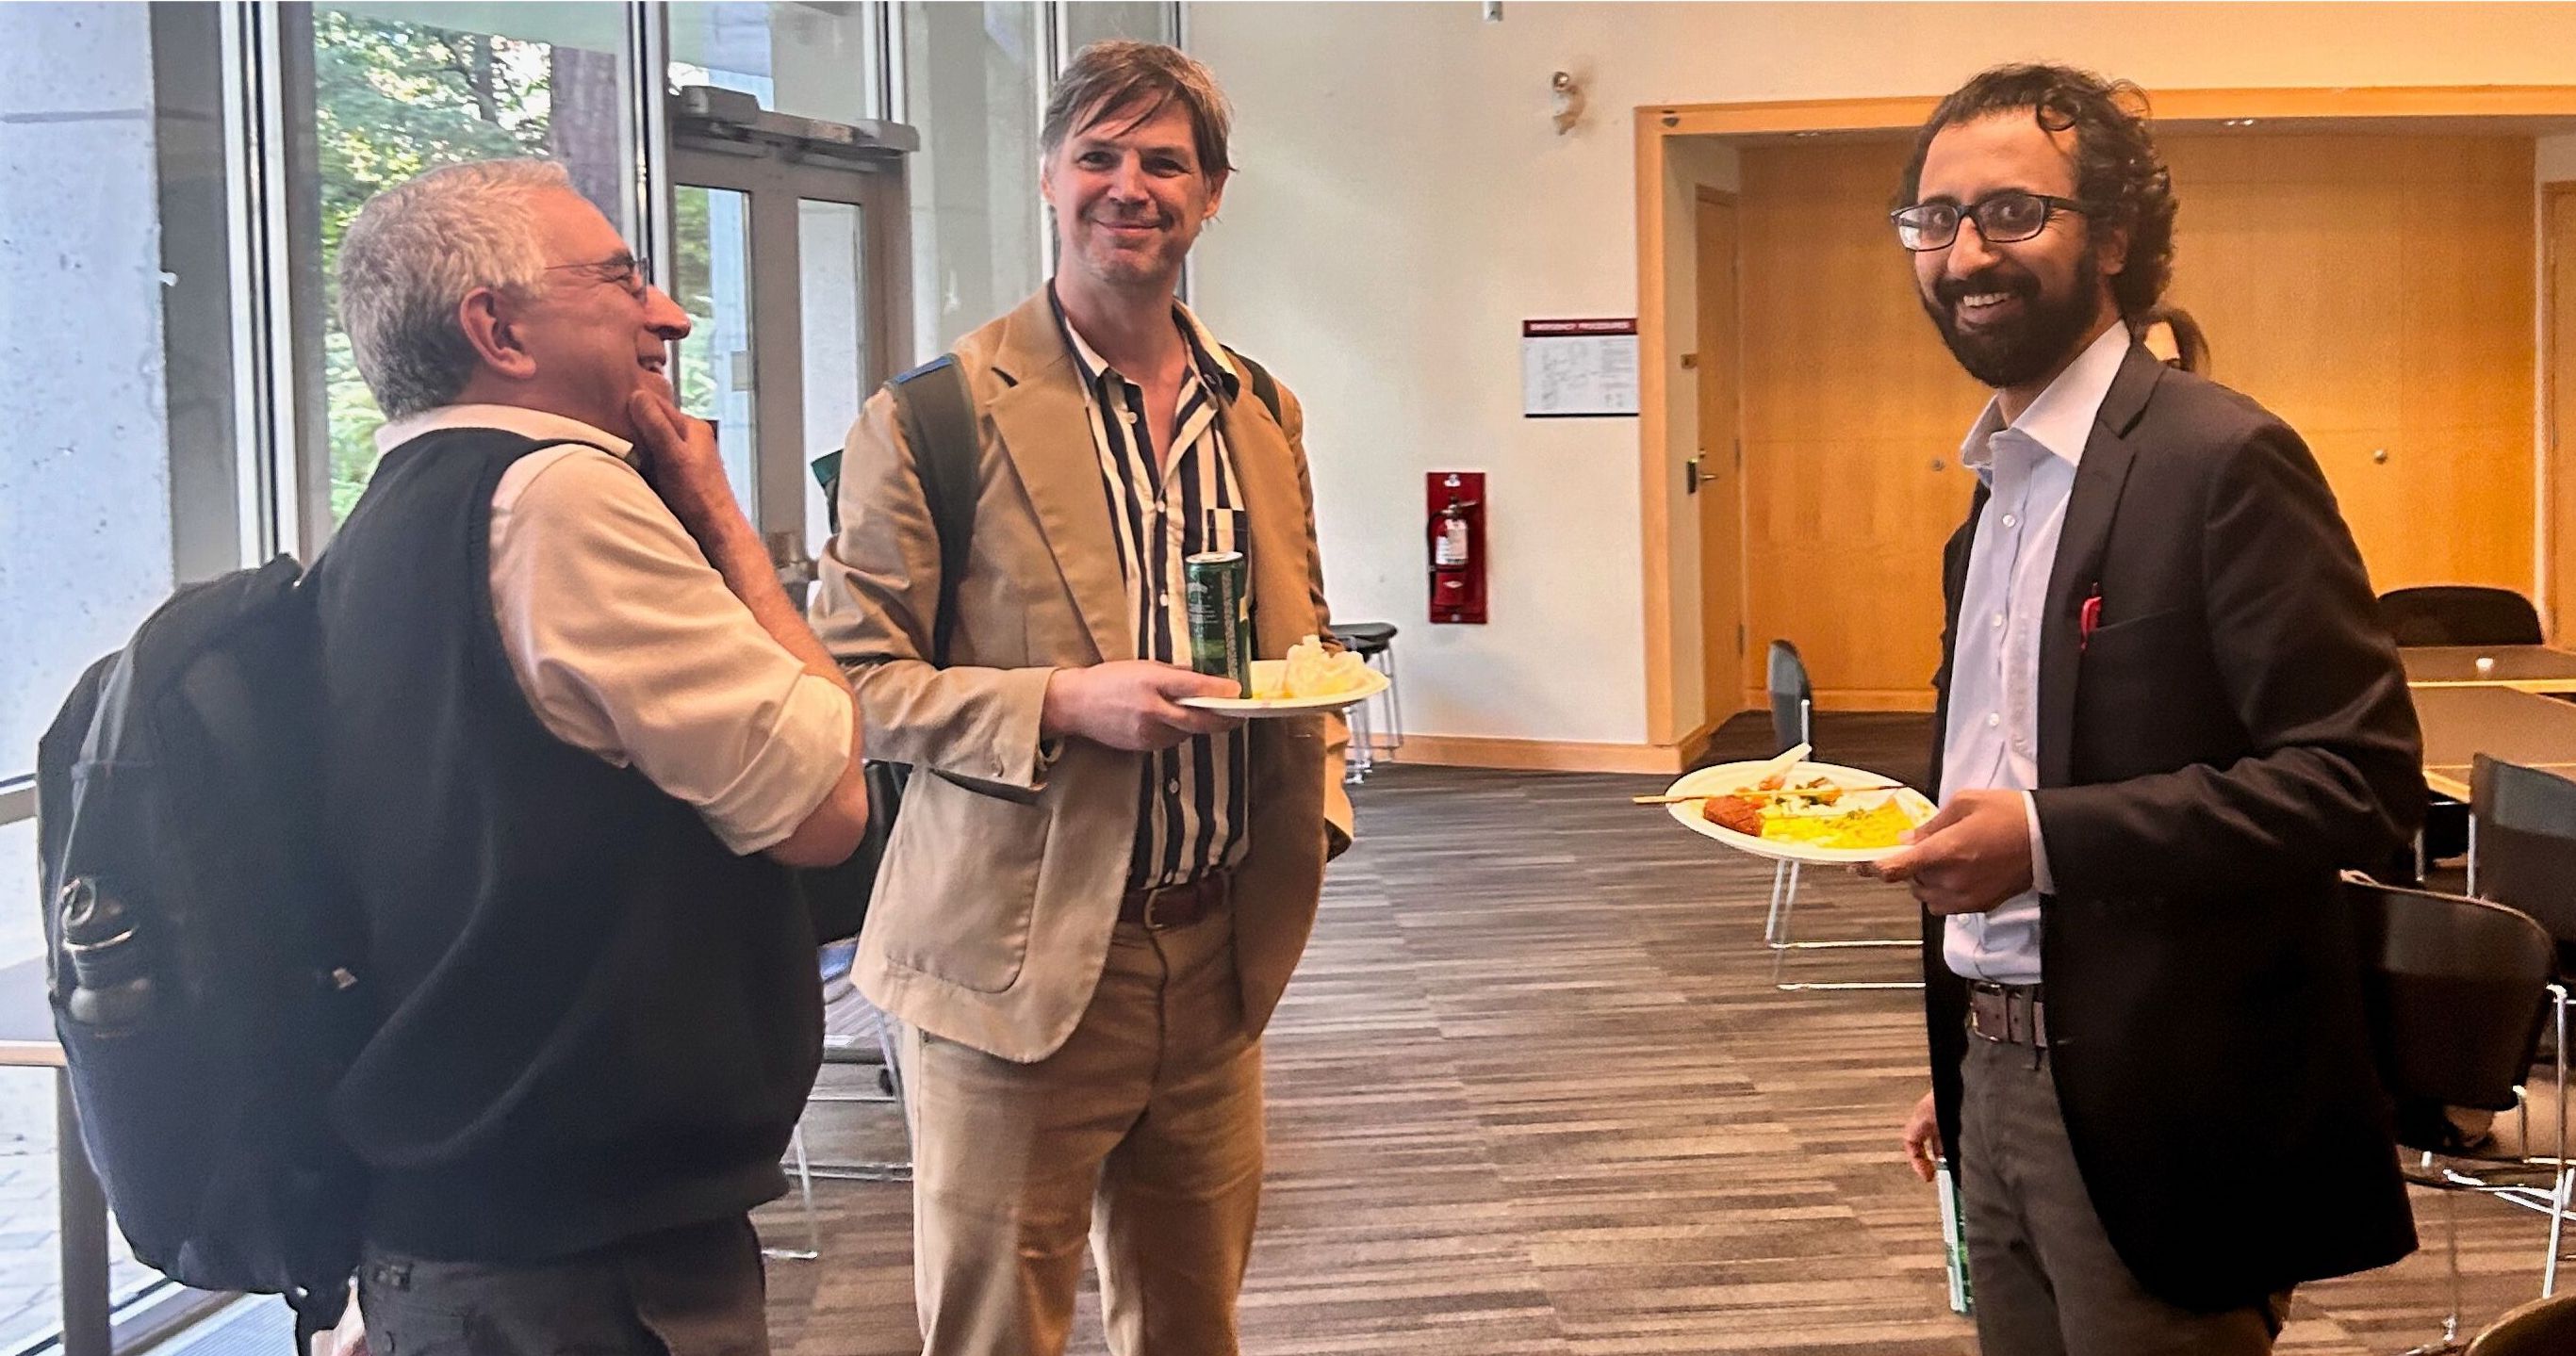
1992	740
628	643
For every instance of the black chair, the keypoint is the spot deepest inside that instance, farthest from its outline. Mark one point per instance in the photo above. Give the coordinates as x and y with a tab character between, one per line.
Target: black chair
2457	992
2544	1327
1374	643
1793	722
2459	614
2522	846
875	1046
1793	697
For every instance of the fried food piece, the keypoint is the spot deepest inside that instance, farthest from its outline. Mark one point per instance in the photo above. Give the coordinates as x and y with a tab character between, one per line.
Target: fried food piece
1733	812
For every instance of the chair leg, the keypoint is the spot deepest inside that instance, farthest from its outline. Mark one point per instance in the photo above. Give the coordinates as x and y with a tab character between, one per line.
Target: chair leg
2449	1342
805	1189
2566	1172
1394	703
1359	758
1771	921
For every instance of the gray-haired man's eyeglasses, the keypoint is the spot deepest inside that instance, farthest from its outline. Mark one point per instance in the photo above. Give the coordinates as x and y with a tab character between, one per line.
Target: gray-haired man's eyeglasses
630	271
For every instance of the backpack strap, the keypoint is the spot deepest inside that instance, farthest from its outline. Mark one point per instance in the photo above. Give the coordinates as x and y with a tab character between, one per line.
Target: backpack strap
1264	386
937	415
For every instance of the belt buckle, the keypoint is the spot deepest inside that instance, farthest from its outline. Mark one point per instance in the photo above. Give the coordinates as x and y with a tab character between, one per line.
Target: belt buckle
1153	897
2019	1027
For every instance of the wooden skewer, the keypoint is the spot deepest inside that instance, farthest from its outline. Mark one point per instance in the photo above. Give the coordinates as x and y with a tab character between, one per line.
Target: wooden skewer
1749	793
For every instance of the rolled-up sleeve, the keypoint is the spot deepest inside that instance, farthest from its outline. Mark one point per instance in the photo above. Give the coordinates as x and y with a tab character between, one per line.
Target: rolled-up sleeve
629	644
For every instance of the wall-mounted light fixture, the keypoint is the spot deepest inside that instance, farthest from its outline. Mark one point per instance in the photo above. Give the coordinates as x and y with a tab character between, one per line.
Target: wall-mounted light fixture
1566	101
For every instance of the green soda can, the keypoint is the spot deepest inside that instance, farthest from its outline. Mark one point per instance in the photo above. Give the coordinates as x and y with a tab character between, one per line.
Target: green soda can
1220	614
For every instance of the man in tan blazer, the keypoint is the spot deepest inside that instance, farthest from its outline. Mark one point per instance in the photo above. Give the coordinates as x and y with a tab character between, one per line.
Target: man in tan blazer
1094	895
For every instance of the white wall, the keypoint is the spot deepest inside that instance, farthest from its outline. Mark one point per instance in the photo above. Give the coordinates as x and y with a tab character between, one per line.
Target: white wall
1404	203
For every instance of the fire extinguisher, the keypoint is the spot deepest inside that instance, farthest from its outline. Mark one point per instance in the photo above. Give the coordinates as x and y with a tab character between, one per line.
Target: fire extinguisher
1451	552
1455	531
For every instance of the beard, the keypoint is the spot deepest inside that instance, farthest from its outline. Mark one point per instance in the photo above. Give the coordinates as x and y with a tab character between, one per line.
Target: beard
2025	349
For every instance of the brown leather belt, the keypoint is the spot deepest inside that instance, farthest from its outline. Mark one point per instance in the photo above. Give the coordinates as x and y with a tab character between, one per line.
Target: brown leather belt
1177	906
2008	1014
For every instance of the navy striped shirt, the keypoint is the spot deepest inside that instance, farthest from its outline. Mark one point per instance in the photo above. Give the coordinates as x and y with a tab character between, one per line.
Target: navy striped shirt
1189	798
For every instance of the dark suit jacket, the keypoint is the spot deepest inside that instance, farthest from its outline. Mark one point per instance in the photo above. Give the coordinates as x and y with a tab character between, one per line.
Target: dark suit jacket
2235	730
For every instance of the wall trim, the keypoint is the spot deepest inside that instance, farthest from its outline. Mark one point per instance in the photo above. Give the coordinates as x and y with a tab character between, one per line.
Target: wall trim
1655	122
1539	755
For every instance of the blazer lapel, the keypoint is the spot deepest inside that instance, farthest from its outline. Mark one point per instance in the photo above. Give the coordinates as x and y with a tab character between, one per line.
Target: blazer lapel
1275	506
2077	569
1046	429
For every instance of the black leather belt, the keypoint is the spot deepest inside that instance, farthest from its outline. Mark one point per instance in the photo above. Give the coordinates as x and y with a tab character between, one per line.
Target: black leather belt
1177	906
2008	1014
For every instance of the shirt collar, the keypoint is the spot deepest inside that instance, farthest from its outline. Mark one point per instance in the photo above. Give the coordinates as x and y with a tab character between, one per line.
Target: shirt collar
1203	348
542	425
2061	420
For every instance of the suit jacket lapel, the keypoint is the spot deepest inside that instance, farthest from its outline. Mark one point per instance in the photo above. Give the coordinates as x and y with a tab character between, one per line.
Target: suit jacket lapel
2077	569
1275	507
1046	429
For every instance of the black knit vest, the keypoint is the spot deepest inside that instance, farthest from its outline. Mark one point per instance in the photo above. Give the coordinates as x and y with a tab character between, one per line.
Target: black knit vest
598	1022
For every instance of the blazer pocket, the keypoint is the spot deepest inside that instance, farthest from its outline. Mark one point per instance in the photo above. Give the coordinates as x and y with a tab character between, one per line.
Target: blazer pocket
960	883
2148	629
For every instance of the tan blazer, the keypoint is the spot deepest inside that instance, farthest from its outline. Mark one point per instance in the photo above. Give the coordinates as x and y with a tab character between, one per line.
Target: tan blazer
994	906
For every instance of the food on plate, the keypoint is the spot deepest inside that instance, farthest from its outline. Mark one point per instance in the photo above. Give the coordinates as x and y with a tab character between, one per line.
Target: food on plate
1313	671
1733	812
1812	812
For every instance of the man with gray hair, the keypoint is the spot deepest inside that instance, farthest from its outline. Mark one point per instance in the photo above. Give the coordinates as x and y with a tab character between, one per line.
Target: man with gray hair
1095	894
575	733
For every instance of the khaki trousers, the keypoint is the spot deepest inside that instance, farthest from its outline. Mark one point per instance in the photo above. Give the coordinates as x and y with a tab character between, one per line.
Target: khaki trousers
1141	1134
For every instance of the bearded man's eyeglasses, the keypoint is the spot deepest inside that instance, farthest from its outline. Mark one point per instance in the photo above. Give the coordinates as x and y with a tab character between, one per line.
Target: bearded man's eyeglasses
2002	219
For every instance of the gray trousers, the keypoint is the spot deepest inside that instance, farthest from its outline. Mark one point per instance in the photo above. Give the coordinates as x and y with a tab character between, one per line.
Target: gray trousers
2046	1280
694	1291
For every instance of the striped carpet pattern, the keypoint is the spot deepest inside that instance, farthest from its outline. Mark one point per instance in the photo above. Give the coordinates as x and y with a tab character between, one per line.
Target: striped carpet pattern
1533	1092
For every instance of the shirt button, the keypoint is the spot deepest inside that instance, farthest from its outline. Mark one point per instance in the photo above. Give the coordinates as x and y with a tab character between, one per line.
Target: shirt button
1999	621
2011	521
1165	598
1173	786
1994	718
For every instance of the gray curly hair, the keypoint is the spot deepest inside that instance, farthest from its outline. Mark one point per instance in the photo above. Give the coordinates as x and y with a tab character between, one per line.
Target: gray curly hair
412	254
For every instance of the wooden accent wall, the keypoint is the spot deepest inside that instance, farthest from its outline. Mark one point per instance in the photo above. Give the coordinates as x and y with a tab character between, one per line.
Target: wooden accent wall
2376	291
1852	417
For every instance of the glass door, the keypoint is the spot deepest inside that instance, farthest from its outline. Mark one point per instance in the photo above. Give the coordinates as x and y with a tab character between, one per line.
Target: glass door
789	255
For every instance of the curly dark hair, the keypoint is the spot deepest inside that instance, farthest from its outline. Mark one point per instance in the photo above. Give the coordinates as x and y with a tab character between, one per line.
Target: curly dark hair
2117	171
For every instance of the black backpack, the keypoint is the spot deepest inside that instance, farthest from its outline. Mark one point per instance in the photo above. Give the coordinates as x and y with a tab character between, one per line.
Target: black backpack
937	415
202	962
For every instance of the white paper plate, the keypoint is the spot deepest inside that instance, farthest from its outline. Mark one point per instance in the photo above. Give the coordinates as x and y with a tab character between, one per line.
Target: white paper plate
1265	673
1726	778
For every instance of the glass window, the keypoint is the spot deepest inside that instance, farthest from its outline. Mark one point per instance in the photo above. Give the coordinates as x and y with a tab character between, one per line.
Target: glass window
831	254
810	58
402	88
711	270
1094	20
971	88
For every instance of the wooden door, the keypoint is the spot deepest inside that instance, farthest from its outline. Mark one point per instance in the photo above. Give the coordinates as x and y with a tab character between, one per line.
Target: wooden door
1721	481
2559	246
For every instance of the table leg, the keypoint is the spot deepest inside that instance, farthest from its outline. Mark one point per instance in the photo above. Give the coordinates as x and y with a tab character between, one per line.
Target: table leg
83	1238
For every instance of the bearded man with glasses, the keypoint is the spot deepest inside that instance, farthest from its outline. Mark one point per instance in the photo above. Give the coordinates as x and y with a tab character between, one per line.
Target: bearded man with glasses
2168	717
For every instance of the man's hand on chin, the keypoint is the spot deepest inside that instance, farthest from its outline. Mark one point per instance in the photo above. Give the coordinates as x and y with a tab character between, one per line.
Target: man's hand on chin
1972	856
